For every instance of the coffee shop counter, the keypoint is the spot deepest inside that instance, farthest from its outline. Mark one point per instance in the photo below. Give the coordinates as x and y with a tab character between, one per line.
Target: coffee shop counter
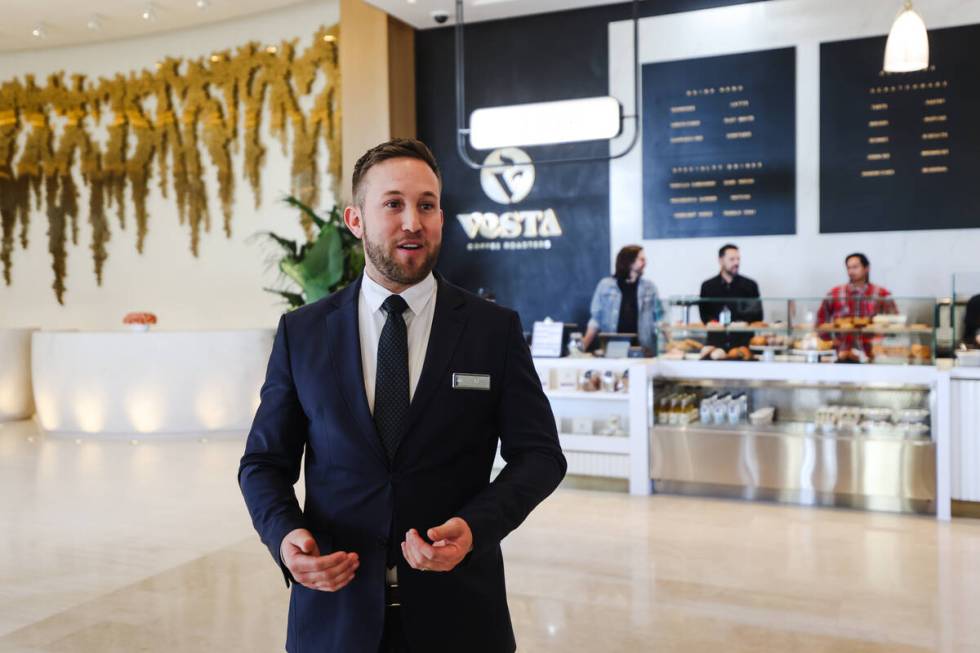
876	437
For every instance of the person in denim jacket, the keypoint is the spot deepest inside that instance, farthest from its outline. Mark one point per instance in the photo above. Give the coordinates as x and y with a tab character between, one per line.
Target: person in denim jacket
625	302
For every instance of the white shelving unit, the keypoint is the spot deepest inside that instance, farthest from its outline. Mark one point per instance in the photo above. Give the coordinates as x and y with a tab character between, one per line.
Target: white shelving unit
626	456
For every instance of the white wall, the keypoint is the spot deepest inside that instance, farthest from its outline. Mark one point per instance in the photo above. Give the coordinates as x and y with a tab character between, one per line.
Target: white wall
220	289
918	263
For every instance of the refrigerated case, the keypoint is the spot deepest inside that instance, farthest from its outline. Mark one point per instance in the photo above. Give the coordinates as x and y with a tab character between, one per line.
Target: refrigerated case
841	440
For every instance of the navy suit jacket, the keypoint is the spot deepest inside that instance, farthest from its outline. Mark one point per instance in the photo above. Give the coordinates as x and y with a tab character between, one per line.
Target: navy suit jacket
313	402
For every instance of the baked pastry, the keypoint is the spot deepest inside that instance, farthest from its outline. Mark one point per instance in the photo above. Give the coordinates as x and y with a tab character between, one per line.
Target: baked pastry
824	345
921	351
861	321
717	354
740	324
759	341
715	324
758	324
693	345
826	327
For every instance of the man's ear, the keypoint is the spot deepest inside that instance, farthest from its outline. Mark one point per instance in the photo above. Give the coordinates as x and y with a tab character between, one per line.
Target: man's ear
352	218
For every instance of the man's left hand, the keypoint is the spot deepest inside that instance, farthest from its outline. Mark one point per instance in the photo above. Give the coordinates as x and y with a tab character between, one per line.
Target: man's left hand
450	544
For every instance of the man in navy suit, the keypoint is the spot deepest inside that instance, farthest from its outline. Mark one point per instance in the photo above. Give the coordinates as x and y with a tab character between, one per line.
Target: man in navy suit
398	390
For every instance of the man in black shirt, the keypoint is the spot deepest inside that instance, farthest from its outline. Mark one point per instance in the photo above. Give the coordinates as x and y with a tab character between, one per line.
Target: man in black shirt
730	285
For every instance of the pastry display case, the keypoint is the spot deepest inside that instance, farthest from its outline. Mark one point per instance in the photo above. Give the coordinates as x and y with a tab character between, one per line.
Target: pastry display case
892	330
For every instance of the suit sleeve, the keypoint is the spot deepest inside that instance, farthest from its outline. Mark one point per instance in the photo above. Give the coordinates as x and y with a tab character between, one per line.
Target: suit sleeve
529	445
273	451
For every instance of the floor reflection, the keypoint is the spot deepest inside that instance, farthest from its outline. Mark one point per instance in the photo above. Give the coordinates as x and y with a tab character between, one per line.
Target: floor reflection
109	546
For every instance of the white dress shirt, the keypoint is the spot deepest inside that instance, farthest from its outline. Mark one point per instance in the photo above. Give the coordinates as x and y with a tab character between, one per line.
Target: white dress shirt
421	300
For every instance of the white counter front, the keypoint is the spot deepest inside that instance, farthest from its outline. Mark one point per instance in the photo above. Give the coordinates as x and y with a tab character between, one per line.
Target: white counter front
152	382
16	401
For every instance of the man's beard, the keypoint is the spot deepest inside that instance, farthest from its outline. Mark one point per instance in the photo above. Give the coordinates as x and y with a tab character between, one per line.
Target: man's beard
391	269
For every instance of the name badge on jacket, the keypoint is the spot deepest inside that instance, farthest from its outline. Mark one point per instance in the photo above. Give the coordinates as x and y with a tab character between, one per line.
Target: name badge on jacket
471	381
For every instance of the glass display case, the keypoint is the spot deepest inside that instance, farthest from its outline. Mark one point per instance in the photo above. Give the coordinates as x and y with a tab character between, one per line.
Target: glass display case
896	330
849	444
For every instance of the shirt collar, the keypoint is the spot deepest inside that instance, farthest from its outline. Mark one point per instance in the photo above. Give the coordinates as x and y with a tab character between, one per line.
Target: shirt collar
416	296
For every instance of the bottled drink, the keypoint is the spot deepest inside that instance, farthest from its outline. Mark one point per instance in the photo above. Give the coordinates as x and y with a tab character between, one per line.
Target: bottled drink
705	411
725	317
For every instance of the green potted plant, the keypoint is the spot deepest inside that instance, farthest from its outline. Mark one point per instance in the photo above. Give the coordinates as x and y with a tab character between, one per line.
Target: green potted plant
331	259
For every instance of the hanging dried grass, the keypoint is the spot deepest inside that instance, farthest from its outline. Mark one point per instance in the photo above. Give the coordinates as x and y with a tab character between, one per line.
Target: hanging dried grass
193	101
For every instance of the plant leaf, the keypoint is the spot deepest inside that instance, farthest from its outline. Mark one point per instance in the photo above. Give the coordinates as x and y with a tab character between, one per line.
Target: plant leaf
296	204
295	299
288	245
322	266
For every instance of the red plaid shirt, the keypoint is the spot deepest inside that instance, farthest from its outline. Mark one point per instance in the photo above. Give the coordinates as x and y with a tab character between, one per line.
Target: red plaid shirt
848	300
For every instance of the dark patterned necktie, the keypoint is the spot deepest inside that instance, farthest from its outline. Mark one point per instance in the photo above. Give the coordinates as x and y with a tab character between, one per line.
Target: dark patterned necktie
391	386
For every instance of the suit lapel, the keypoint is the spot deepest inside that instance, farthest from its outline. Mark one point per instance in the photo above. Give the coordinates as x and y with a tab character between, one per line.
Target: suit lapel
344	347
447	326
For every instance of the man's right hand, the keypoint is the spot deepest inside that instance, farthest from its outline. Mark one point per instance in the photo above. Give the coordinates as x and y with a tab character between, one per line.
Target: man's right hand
329	573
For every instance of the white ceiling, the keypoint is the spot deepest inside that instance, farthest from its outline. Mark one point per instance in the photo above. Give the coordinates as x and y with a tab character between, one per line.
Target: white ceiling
65	22
418	13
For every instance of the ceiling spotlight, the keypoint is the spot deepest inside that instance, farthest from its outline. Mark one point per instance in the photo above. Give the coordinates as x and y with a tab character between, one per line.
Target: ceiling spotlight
202	4
94	22
39	31
329	38
149	12
272	49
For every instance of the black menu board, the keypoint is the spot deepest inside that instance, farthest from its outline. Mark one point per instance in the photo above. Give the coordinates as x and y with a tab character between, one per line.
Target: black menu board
719	146
900	151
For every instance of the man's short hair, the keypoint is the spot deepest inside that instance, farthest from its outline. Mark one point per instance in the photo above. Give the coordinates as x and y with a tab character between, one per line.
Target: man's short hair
396	148
859	256
725	248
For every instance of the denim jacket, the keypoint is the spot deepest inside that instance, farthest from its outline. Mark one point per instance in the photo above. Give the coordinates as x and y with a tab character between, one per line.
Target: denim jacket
605	309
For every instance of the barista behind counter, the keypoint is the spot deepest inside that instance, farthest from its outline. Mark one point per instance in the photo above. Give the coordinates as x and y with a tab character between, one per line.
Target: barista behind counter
625	302
729	284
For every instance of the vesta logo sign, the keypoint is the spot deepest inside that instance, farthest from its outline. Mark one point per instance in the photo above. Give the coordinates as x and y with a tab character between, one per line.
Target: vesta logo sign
508	179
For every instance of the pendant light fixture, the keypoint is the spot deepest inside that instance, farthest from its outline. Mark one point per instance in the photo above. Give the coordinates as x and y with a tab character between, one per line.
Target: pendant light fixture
907	48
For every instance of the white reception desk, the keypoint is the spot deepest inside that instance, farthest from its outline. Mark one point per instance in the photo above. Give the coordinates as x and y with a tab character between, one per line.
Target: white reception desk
123	382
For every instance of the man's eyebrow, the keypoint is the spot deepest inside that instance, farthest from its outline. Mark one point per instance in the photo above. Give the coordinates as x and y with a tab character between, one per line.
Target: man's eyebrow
427	193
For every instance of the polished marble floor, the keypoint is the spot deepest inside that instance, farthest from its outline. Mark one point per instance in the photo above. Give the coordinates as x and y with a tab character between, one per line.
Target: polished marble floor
113	546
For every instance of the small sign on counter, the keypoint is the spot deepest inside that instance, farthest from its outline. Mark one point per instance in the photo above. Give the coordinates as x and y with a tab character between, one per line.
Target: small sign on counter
546	339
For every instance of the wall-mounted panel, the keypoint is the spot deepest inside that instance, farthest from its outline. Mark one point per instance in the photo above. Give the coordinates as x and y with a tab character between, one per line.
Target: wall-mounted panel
900	151
719	146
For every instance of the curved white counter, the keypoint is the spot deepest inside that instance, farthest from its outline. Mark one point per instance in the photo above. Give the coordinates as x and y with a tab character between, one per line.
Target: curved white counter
126	382
16	401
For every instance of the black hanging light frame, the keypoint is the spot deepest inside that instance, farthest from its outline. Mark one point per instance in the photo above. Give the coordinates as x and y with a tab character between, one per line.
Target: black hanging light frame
463	131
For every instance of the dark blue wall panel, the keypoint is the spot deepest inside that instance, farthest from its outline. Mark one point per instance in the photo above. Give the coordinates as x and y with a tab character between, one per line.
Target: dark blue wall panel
900	151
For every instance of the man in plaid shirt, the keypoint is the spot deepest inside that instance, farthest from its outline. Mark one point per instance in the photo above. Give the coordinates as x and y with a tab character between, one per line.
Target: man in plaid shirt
857	298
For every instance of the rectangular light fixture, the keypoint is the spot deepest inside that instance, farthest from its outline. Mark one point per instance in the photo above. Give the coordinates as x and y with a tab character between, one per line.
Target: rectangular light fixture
545	123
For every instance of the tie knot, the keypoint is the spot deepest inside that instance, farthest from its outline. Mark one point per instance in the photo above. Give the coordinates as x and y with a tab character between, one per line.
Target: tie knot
394	305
